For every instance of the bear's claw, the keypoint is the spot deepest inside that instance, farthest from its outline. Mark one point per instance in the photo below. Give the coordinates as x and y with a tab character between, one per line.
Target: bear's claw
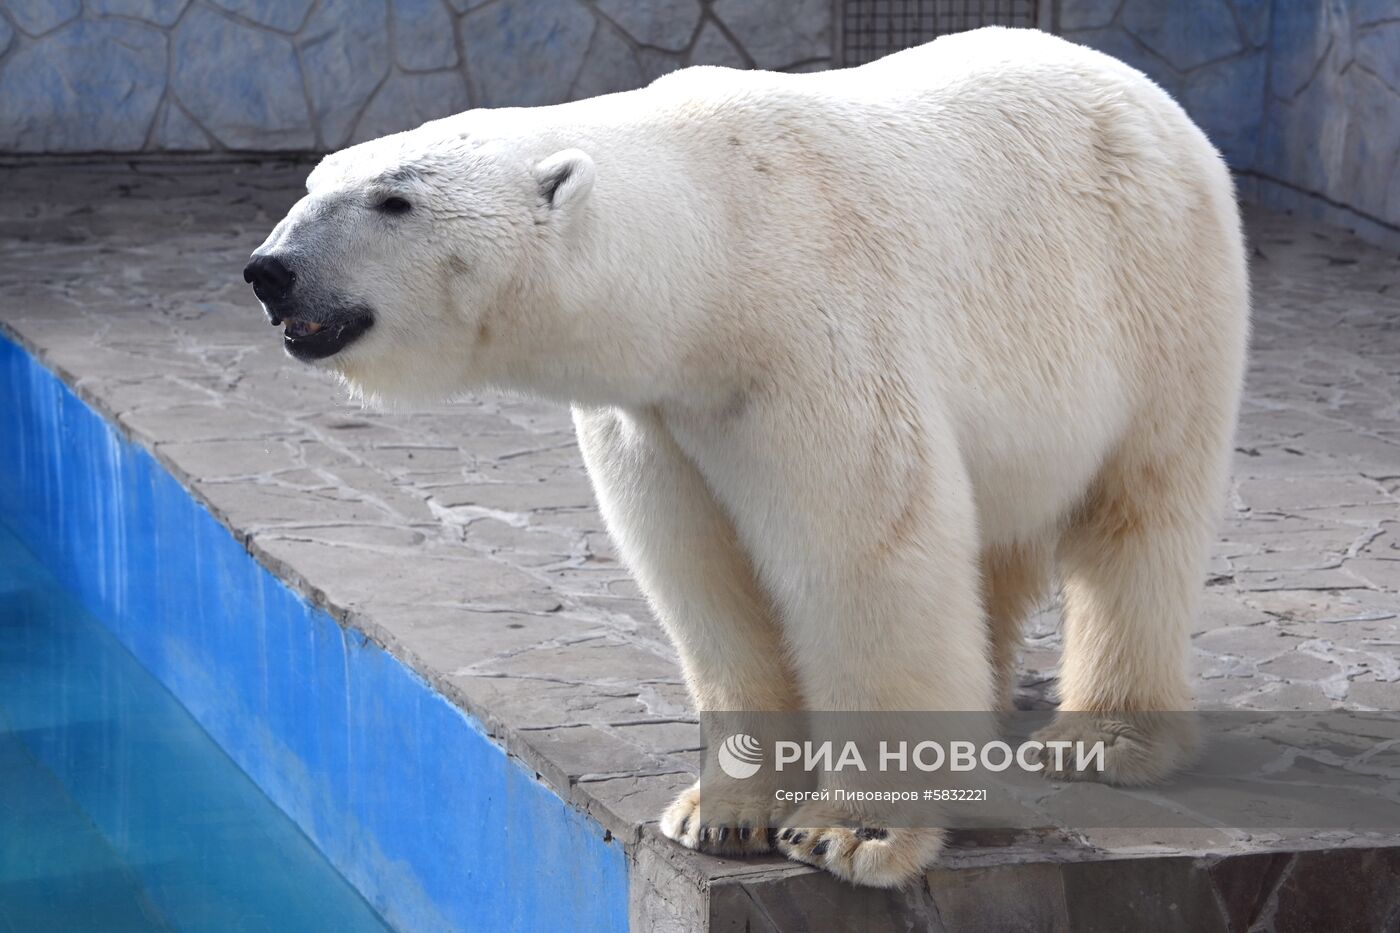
725	826
878	856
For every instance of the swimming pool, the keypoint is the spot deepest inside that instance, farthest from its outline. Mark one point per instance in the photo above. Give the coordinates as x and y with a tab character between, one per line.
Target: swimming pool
119	812
409	798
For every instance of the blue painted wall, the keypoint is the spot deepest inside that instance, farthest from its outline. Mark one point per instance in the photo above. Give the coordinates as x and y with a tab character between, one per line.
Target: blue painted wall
200	75
1302	96
407	796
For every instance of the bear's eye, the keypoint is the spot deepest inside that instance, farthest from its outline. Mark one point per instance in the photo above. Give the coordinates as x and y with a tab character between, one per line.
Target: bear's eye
394	206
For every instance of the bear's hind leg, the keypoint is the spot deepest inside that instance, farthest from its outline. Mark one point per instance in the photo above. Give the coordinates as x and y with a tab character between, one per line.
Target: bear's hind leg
1133	563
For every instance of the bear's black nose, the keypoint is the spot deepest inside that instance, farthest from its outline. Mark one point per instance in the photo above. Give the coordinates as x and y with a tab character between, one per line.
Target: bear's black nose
270	277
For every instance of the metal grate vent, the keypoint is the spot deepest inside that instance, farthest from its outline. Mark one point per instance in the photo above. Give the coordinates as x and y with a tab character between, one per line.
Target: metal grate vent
871	29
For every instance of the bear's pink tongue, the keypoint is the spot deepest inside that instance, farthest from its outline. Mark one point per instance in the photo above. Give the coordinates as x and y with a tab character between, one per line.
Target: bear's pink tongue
299	328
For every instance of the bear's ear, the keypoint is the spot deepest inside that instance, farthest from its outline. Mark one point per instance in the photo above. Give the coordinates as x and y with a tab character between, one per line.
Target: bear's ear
564	178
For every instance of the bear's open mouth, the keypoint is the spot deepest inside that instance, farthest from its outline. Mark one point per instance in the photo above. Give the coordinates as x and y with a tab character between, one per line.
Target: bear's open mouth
315	340
297	328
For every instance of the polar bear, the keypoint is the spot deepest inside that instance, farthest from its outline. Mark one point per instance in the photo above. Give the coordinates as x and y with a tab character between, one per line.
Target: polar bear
860	362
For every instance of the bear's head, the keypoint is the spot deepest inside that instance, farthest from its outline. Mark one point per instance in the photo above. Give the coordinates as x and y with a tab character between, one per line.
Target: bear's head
397	268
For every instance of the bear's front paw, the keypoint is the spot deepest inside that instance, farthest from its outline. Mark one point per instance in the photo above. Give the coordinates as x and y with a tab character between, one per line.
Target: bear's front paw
727	822
876	856
1138	748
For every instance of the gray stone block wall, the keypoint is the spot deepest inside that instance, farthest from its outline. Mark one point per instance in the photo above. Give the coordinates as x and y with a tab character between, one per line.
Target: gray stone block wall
1211	55
1330	143
1301	96
292	75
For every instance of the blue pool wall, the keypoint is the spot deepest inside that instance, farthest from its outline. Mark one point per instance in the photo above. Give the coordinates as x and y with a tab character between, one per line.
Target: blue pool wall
88	839
407	796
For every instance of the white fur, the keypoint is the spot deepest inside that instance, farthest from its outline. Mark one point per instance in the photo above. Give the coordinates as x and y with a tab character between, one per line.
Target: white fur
860	360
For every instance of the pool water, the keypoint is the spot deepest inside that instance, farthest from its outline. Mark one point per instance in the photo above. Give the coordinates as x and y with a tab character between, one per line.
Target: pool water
117	811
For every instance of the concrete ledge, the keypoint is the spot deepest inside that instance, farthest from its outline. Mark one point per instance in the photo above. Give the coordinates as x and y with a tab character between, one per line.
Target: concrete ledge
462	541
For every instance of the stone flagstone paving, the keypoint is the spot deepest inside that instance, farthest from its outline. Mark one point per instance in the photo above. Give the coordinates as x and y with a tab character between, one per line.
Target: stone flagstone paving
464	538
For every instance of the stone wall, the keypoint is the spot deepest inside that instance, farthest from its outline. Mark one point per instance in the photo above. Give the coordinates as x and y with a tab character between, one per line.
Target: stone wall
276	75
1211	55
1302	96
1330	143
